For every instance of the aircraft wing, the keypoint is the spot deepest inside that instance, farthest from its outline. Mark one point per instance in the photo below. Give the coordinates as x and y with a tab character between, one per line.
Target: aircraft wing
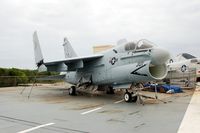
71	64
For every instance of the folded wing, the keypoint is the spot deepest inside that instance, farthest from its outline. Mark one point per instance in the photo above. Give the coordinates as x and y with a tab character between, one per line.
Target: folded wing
72	62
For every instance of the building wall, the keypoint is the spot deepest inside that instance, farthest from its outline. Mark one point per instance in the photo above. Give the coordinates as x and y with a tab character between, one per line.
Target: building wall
100	48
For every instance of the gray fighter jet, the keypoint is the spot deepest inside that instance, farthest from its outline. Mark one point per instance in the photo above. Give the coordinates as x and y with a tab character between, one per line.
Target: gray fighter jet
122	66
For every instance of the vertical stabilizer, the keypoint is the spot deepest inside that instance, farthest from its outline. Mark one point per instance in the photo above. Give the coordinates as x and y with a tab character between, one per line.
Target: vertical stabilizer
37	50
69	51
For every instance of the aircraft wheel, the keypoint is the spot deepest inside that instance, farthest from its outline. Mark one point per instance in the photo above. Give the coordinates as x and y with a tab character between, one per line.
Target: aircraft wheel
127	97
72	91
134	99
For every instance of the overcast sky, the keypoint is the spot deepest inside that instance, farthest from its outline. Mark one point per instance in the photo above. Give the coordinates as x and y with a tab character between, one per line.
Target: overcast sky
172	24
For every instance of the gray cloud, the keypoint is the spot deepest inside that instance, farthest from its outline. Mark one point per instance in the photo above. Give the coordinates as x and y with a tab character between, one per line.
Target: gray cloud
170	24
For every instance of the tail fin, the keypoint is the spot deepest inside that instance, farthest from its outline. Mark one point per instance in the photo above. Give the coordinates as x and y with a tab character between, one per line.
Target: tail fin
37	50
69	51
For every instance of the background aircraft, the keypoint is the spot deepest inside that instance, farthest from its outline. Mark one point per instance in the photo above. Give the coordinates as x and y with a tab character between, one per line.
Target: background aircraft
182	62
120	67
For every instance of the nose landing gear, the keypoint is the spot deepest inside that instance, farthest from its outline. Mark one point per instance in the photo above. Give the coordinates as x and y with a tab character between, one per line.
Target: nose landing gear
133	95
127	97
130	97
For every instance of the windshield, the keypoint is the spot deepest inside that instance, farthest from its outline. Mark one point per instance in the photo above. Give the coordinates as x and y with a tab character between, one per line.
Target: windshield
144	44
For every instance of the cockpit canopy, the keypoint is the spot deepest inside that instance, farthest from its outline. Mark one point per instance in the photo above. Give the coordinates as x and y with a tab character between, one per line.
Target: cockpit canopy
134	46
188	56
184	56
130	46
144	44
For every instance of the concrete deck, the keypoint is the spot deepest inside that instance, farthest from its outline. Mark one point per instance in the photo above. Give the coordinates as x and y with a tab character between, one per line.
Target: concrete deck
50	109
191	120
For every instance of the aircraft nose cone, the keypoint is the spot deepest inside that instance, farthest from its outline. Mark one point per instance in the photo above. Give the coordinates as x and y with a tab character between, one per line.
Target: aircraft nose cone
159	56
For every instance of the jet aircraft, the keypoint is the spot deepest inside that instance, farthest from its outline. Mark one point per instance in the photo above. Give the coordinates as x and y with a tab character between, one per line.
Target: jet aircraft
122	66
182	62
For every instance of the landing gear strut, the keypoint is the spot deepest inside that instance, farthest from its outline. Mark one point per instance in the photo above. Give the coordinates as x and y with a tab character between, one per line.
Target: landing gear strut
72	91
134	98
110	90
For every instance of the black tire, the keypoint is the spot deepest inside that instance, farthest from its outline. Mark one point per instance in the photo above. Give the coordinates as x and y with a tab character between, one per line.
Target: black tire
134	99
127	97
72	91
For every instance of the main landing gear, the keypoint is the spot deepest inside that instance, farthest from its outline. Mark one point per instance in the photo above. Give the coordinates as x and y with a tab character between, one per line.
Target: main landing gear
110	90
72	91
